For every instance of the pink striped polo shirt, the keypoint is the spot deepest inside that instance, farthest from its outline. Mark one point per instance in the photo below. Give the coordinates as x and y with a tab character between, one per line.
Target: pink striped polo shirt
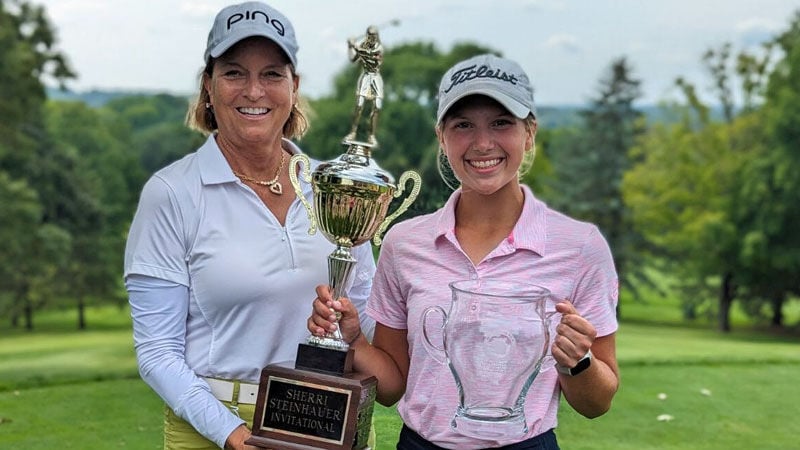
421	256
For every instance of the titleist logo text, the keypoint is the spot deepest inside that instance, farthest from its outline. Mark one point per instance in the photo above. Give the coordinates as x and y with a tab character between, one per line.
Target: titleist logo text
257	15
470	73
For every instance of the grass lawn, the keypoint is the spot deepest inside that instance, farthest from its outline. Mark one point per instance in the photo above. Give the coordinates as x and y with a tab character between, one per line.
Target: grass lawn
65	389
89	415
744	406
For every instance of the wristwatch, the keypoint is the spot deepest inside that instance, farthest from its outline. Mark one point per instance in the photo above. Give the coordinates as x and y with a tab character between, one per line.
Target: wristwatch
582	365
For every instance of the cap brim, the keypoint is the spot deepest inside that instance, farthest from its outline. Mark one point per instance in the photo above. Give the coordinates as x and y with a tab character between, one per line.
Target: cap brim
245	33
513	106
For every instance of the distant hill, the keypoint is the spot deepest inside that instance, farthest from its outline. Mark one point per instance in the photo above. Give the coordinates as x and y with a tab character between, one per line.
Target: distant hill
550	116
93	98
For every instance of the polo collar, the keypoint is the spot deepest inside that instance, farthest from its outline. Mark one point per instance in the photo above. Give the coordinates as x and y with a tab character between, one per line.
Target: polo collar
214	168
530	231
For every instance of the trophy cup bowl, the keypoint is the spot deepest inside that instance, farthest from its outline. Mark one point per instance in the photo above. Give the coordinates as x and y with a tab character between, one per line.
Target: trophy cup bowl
351	198
350	202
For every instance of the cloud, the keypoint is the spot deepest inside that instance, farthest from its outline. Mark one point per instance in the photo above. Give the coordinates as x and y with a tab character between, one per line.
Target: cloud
755	30
198	10
566	42
542	5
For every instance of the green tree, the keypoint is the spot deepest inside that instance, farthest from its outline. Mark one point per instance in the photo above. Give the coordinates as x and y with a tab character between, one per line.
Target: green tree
20	212
108	153
108	176
589	162
27	56
144	111
771	189
717	63
753	70
715	197
156	127
768	260
32	252
679	196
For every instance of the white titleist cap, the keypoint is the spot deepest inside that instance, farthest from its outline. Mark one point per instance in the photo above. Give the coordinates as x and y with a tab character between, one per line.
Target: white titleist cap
498	78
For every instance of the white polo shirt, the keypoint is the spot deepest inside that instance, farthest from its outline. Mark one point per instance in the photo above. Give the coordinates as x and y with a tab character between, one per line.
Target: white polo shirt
229	288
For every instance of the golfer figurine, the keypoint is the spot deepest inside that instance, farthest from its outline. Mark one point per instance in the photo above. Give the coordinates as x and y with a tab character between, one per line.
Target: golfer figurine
368	51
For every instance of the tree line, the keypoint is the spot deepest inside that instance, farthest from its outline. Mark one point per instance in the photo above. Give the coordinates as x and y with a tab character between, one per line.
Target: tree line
708	199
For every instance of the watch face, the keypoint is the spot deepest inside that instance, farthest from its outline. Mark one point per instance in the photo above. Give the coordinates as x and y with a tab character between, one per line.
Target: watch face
582	365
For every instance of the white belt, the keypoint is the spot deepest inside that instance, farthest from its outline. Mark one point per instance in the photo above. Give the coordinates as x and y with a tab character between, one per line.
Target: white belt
223	390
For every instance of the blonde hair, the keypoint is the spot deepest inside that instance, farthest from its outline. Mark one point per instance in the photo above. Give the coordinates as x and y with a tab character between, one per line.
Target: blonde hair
200	115
449	177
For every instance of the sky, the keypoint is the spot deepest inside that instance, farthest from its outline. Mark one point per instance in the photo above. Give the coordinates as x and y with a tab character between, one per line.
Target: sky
565	46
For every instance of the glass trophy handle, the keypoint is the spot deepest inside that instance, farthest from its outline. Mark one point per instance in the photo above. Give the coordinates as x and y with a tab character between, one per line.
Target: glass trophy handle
407	175
306	176
439	354
548	361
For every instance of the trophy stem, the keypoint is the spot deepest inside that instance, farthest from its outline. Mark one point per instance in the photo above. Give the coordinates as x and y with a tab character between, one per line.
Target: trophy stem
340	266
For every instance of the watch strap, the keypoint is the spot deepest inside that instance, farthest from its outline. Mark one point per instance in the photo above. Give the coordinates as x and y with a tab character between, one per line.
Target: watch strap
582	365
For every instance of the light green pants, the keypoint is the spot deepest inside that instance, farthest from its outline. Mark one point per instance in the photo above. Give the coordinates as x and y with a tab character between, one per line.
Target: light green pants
179	435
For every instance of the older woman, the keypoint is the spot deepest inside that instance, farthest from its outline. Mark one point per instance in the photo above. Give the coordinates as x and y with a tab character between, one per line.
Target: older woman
219	264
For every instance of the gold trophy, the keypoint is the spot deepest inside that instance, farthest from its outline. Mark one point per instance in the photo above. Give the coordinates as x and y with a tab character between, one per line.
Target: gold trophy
321	402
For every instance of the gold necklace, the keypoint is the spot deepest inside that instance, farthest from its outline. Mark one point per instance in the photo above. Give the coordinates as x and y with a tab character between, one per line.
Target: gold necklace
274	185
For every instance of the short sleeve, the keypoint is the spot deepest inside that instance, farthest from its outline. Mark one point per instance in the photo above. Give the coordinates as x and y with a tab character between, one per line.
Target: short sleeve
386	303
597	288
156	245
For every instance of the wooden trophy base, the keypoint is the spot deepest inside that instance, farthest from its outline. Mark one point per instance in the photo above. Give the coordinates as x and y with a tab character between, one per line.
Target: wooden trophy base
309	407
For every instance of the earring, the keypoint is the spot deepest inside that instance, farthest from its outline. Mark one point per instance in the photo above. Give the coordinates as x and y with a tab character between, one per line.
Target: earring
208	105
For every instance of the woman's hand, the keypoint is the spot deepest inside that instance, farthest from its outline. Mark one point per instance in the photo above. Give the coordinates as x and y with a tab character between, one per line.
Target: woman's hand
591	391
574	336
323	318
237	437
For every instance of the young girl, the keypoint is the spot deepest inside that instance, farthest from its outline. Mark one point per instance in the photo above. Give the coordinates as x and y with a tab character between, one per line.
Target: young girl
491	227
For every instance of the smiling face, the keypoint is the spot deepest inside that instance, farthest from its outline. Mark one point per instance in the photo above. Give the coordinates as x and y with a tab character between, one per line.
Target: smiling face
252	91
484	144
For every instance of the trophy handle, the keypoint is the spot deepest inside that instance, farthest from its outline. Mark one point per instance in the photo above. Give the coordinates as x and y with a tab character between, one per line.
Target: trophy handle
439	354
306	174
409	174
548	360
